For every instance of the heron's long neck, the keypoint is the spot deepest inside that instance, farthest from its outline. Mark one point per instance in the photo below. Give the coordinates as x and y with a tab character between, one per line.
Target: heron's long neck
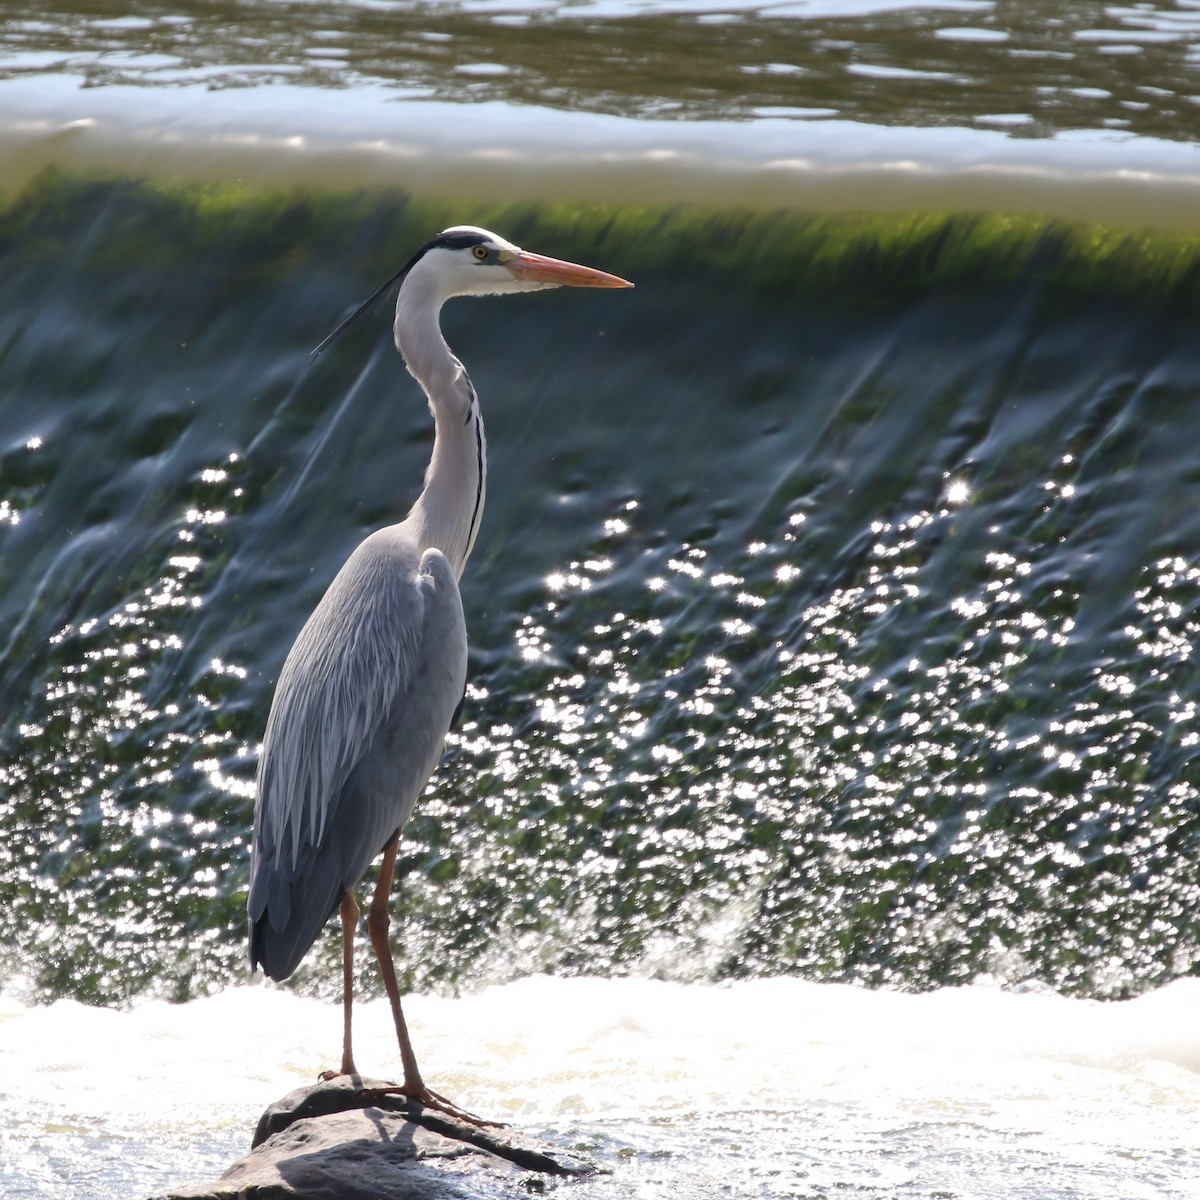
448	511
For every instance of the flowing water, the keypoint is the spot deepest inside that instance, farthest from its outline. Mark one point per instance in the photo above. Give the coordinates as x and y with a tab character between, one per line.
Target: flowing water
824	817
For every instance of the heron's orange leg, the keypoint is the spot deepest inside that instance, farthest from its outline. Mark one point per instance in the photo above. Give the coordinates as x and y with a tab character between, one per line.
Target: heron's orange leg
377	925
349	911
378	920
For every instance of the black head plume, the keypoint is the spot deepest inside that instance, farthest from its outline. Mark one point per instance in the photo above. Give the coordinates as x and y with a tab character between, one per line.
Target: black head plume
453	240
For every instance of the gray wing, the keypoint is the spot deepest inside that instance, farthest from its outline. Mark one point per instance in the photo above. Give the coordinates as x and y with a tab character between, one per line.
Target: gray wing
359	718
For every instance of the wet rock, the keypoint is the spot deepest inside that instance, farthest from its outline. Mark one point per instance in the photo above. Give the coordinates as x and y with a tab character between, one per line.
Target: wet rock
353	1139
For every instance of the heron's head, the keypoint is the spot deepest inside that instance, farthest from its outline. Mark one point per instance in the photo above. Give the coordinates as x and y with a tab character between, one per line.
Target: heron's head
465	260
468	261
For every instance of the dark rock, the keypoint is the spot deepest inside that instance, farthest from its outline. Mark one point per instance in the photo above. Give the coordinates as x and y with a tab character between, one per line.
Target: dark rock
355	1139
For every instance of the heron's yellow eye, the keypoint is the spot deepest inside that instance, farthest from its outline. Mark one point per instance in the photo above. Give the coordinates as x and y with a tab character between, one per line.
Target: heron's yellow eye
480	252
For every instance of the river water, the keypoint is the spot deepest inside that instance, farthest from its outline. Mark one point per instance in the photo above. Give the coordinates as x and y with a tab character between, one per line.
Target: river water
824	817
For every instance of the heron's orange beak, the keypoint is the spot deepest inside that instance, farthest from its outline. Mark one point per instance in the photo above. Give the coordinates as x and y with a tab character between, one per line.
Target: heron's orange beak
539	269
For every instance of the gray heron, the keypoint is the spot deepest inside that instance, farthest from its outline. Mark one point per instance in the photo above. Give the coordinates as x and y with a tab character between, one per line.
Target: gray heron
373	681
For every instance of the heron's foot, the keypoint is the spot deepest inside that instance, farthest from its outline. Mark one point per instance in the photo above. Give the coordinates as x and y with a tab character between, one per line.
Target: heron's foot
427	1098
329	1073
431	1099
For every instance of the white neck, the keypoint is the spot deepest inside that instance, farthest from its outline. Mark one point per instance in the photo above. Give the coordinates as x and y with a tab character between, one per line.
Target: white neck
447	513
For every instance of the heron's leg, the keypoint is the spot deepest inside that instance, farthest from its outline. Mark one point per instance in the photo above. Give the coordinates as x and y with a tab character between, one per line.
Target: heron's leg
378	920
377	925
349	911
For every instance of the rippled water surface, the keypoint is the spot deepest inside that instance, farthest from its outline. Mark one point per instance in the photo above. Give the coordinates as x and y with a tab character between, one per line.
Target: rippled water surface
1034	68
832	620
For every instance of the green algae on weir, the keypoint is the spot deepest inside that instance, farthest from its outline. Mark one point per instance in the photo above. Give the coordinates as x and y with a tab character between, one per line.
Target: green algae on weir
801	685
853	258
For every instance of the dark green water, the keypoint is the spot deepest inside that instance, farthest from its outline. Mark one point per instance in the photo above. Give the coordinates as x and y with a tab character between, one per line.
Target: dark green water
833	612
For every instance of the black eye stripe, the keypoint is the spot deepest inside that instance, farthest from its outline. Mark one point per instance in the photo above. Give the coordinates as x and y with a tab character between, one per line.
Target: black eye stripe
456	241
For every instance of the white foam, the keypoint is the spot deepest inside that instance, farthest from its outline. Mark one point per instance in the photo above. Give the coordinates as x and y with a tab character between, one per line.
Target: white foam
1029	1072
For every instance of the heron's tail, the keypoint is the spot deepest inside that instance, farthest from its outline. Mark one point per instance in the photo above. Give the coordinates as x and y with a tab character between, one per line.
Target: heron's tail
285	918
